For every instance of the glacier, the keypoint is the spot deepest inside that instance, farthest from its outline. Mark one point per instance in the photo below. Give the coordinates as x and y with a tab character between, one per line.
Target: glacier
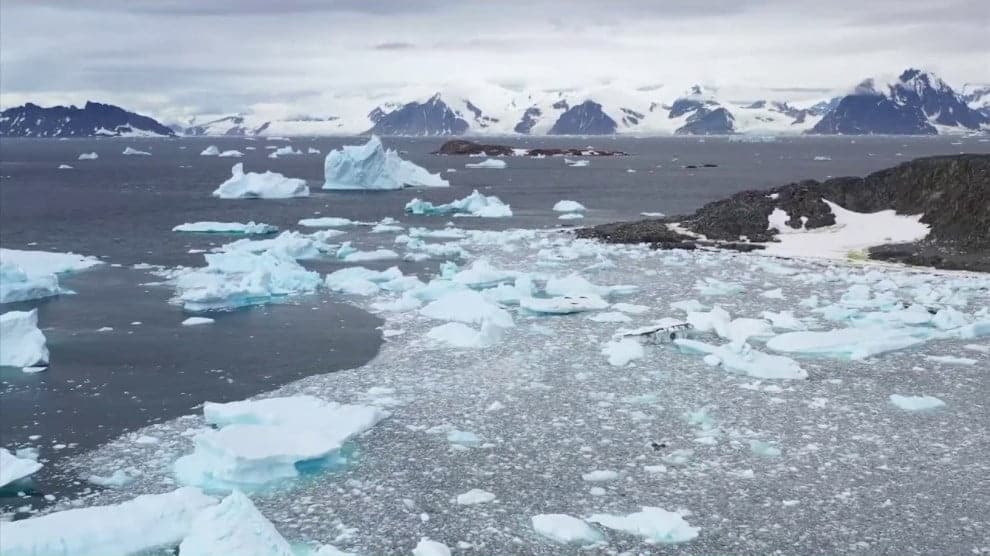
252	185
372	166
24	345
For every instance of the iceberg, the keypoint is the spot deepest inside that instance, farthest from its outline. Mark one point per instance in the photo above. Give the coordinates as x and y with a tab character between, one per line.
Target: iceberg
267	440
745	360
568	206
13	468
88	156
565	529
490	163
197	321
563	305
330	222
212	150
653	524
371	166
289	244
575	285
284	151
238	279
916	403
570	216
469	307
474	204
576	163
358	280
312	150
130	151
234	526
24	344
251	228
64	167
853	343
139	526
26	275
231	154
365	256
270	185
713	287
458	335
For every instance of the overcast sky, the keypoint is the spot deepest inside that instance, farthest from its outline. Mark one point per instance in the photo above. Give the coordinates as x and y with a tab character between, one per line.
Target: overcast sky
177	56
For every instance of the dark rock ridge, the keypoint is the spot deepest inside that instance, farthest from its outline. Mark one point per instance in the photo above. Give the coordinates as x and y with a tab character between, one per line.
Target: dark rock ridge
236	129
462	147
705	121
913	105
529	119
432	117
586	118
952	192
92	120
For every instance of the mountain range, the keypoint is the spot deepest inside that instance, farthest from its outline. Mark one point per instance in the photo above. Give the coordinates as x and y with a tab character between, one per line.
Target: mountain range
915	103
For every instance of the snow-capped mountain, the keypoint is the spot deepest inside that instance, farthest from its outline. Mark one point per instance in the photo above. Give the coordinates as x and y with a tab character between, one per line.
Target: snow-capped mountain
93	119
977	97
917	103
432	117
586	118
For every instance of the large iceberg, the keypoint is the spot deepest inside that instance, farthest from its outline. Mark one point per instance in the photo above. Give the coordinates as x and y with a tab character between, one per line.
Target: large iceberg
372	166
234	526
251	228
252	185
263	441
139	526
14	468
474	204
26	275
24	344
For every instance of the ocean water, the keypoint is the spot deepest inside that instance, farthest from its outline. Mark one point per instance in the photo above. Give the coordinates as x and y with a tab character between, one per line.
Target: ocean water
122	209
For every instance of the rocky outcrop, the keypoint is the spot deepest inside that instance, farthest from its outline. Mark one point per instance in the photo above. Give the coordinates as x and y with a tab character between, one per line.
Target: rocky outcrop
705	121
586	118
432	117
467	148
92	120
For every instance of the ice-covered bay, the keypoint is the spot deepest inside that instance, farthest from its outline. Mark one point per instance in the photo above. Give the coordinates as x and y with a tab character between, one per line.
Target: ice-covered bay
822	464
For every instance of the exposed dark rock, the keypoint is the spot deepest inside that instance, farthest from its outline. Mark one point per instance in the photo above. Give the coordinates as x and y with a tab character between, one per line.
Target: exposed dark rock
529	119
92	120
432	117
873	114
586	118
708	122
464	147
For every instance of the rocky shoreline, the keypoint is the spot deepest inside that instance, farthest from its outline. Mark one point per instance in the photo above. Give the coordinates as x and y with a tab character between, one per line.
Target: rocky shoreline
461	147
951	192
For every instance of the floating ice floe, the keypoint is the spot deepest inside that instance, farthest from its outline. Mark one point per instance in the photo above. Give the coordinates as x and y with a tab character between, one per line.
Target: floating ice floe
88	156
234	526
784	320
469	307
852	233
853	343
26	275
713	287
251	228
481	274
916	403
24	344
570	216
474	204
239	279
621	352
116	479
951	360
130	151
312	150
568	206
745	360
284	151
462	336
260	442
565	529
576	163
575	285
290	244
654	525
14	468
330	222
475	496
212	150
197	321
64	167
142	525
490	163
564	305
365	256
426	547
231	154
372	166
252	185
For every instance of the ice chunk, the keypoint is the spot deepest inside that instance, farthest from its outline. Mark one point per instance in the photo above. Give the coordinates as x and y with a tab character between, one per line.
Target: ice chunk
630	308
24	345
14	468
600	476
746	360
251	228
773	294
916	403
376	255
564	305
36	263
329	222
475	496
130	151
426	547
64	167
784	320
262	441
481	274
490	163
312	150
139	526
117	479
231	280
212	150
713	287
289	244
252	185
576	163
854	343
234	526
474	204
610	316
565	529
688	306
284	151
568	206
460	335
620	353
575	284
88	156
653	524
358	280
196	321
467	306
951	359
231	154
371	166
570	216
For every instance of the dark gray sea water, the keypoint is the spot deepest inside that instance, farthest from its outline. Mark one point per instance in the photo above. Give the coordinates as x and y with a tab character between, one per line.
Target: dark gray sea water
122	209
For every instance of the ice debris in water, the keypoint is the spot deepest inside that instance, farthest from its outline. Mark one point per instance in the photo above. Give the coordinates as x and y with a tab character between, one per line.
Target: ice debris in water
570	216
474	204
197	321
620	353
288	244
212	150
232	280
458	335
568	206
128	151
713	287
490	163
88	156
14	468
231	154
284	151
426	547
916	403
24	344
234	526
371	166
575	284
743	359
469	307
565	529
263	441
26	275
252	185
563	305
139	526
853	343
330	222
475	496
654	525
358	280
251	228
116	479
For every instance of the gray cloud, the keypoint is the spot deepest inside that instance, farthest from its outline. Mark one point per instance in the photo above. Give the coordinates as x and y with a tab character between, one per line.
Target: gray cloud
394	46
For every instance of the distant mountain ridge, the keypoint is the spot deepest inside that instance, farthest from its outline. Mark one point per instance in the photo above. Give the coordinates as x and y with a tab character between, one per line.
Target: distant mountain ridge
92	120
